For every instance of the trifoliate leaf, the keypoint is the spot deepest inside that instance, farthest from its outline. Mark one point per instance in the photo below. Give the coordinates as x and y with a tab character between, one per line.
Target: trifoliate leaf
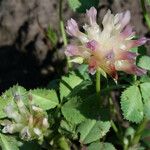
77	109
92	130
145	90
13	93
81	104
131	104
82	5
67	83
45	99
8	142
144	62
101	146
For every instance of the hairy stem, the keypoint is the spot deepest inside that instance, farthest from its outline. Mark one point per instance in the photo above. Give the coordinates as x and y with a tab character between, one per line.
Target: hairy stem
63	33
145	13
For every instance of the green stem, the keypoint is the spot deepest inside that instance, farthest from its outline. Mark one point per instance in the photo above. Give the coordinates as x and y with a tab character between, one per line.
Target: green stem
98	86
63	144
63	33
145	13
139	132
114	127
119	136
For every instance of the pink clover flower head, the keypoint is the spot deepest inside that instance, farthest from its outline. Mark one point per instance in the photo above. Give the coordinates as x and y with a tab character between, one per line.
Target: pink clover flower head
107	48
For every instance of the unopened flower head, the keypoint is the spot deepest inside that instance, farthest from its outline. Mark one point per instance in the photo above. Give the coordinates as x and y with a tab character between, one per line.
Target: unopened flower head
107	49
30	122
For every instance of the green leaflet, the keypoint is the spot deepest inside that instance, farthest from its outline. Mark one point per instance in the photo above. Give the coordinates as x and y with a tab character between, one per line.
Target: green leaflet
8	142
74	4
148	2
131	104
71	111
67	83
68	129
81	5
101	146
143	62
145	90
92	130
45	99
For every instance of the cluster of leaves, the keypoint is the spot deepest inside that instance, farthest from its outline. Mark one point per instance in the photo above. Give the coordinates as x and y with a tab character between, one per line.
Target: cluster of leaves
73	112
135	100
77	120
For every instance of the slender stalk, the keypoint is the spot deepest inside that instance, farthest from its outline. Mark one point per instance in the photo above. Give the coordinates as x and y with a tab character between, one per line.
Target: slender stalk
114	127
98	86
63	33
145	13
138	132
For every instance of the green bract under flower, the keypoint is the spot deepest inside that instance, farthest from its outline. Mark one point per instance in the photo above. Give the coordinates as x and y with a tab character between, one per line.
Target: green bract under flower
30	121
108	48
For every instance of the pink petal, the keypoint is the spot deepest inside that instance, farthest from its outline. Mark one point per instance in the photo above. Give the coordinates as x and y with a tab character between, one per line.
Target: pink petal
110	56
138	71
126	55
140	41
71	50
113	72
127	32
129	67
92	45
91	14
125	18
72	27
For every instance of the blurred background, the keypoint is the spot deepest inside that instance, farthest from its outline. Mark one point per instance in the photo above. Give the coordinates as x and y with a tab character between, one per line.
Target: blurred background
31	46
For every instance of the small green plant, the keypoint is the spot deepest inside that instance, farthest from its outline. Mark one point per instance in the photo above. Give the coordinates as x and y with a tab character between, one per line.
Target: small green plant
103	104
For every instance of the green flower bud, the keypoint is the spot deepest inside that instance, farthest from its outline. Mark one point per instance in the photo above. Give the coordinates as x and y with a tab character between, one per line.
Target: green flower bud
29	121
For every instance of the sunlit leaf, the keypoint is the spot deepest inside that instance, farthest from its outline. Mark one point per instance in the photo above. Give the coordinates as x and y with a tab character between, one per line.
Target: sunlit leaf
45	99
92	130
8	142
145	90
144	62
67	84
131	104
101	146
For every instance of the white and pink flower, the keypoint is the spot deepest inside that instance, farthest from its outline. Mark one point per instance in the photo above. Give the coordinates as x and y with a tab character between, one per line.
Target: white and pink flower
107	48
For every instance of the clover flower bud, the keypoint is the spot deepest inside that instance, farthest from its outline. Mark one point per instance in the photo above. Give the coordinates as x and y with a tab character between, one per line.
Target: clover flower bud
29	121
107	49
